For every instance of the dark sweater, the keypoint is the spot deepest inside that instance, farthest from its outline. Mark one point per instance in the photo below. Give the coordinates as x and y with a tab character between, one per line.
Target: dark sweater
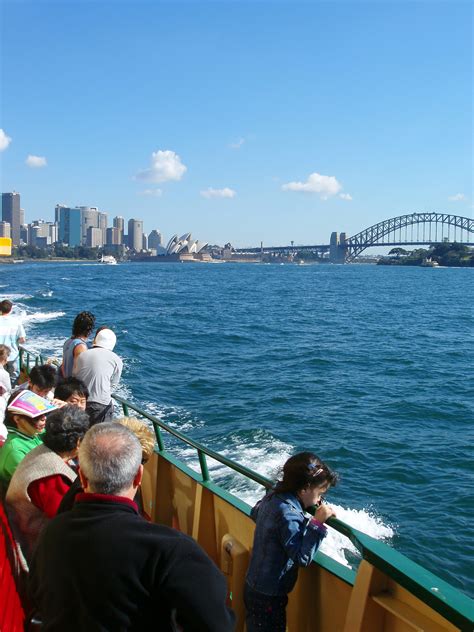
102	567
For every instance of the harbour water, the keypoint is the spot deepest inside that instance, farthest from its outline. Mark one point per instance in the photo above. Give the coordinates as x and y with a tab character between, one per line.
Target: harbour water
370	367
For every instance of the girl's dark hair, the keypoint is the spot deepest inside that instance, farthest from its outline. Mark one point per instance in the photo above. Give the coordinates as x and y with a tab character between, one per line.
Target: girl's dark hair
304	470
70	386
83	324
64	427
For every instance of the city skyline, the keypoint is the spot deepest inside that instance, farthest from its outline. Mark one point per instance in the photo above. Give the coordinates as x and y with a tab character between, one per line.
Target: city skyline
240	122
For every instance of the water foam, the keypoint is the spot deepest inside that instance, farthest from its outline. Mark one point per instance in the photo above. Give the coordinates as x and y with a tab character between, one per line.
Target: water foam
338	547
41	316
49	346
16	297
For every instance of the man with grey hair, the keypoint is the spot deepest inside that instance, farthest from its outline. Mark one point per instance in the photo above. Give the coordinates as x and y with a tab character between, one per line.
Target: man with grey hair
101	566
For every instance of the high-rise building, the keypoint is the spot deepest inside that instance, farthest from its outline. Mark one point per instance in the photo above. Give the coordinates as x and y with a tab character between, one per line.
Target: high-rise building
103	220
144	241
24	234
155	239
70	226
42	233
119	223
22	216
135	234
5	229
95	237
89	219
11	213
113	236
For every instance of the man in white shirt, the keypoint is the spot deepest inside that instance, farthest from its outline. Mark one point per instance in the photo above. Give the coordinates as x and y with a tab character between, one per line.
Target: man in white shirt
100	370
12	334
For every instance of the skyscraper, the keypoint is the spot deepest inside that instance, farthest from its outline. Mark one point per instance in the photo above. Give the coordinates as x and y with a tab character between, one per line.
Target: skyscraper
119	224
89	219
11	213
155	239
135	234
69	221
5	229
95	237
114	236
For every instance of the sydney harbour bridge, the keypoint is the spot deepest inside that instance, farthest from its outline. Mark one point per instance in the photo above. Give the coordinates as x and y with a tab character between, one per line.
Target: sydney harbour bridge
415	229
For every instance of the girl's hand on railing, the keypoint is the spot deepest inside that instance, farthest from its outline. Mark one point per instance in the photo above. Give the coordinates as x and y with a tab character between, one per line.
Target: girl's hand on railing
323	512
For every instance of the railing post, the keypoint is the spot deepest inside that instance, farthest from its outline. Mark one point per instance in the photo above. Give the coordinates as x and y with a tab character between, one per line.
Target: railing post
125	409
27	363
21	359
203	464
159	438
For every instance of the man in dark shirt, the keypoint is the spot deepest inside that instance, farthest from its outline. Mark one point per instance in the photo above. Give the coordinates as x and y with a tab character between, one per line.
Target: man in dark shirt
102	567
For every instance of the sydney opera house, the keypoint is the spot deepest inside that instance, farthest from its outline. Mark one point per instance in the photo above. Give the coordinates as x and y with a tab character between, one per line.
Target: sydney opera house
183	248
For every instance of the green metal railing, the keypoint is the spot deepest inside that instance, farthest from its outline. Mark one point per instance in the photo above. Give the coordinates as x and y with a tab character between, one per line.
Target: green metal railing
449	602
26	357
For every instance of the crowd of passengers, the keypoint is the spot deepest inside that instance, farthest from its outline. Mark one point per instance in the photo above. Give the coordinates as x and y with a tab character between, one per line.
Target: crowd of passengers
70	477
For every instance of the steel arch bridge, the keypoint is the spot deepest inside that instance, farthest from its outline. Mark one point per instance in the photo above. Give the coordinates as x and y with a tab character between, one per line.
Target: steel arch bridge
412	229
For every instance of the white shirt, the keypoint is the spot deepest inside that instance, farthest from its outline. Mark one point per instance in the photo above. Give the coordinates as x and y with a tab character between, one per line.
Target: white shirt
11	330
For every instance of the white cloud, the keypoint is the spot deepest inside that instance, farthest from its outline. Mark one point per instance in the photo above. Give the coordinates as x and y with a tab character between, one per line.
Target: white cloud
165	165
153	192
459	197
326	186
218	193
36	162
345	196
237	144
4	140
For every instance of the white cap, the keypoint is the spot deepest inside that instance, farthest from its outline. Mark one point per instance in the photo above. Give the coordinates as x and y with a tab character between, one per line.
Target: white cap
106	339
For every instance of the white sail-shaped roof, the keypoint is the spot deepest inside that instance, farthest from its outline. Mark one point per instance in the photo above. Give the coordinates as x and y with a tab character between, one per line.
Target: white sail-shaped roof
200	245
171	242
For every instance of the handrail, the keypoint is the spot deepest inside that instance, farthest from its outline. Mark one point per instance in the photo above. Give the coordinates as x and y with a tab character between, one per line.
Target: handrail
38	358
448	601
241	469
438	594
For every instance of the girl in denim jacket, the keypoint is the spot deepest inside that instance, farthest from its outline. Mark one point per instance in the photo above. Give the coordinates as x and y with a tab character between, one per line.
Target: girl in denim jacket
286	537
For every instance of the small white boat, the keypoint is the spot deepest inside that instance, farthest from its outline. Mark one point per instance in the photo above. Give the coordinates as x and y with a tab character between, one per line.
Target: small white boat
108	259
428	263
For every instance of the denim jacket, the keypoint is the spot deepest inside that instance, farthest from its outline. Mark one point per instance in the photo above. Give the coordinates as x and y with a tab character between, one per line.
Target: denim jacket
285	538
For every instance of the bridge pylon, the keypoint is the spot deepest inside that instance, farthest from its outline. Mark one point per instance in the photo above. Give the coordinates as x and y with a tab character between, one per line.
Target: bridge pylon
338	248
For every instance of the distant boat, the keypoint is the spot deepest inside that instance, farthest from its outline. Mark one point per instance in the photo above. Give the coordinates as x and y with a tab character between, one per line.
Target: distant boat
428	263
108	259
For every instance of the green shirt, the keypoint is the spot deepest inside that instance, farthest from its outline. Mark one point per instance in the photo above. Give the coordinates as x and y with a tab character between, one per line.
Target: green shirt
15	448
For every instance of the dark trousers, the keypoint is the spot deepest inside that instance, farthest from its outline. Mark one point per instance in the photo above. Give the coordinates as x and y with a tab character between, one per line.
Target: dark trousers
98	413
265	613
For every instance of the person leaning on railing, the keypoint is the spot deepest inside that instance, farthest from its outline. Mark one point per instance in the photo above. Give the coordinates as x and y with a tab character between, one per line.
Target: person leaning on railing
286	537
75	345
102	563
100	369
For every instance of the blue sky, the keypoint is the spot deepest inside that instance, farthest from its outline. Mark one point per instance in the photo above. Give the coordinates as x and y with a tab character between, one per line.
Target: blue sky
239	121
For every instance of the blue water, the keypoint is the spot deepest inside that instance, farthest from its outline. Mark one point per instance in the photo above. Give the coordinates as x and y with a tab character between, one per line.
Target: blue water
370	367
